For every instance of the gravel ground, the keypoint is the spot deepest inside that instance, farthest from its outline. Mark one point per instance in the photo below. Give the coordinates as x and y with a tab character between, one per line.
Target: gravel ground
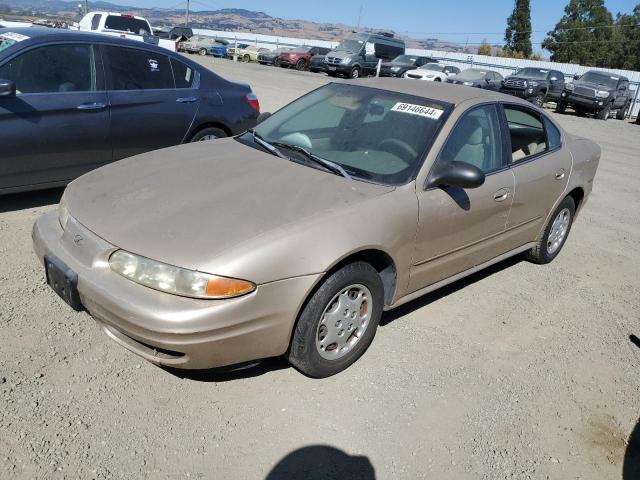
522	371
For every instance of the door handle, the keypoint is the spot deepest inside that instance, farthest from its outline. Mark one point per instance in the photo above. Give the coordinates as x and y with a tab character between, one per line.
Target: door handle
560	174
186	99
501	195
91	106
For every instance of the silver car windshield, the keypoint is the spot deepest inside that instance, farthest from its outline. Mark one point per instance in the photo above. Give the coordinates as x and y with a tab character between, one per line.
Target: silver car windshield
373	134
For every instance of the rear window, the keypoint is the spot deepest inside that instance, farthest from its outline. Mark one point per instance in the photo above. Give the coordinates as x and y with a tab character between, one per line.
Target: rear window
136	69
132	25
182	73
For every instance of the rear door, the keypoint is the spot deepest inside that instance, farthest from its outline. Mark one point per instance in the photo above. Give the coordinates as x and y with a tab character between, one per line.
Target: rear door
150	107
556	84
56	127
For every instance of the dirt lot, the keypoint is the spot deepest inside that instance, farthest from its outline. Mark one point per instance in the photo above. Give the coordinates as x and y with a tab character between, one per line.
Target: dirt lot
520	372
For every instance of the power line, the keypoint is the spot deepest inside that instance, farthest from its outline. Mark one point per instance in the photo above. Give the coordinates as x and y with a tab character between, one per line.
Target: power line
519	32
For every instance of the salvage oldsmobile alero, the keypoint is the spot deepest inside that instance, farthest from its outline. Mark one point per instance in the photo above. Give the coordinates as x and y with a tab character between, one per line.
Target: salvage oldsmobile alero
293	238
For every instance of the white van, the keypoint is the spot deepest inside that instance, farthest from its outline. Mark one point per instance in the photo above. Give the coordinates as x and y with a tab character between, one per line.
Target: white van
124	26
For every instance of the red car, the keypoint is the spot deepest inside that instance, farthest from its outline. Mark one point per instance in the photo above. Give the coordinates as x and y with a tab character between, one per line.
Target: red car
300	58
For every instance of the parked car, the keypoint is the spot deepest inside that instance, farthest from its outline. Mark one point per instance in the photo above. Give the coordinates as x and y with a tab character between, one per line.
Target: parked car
536	85
270	57
317	64
599	93
359	54
479	78
432	72
402	64
180	33
73	101
218	50
200	44
427	182
300	57
245	52
124	26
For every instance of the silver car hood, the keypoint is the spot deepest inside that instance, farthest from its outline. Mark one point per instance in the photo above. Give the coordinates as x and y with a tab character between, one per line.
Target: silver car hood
186	205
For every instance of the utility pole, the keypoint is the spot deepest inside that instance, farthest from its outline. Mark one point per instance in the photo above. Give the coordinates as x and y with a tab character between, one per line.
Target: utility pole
186	16
360	17
86	6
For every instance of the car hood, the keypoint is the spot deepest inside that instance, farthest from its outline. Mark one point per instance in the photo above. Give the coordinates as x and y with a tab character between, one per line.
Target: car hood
595	86
186	205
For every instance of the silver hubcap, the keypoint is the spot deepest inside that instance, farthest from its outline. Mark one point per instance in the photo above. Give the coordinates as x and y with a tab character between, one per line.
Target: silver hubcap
207	137
344	321
558	231
356	73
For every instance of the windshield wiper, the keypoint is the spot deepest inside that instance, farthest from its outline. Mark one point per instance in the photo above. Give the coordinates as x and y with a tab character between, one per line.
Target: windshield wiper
328	164
266	145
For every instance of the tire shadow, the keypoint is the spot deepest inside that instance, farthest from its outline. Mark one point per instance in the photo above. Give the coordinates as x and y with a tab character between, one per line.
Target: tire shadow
322	462
231	373
631	466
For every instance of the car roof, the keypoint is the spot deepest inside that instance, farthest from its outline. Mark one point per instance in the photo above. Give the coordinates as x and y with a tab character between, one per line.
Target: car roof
56	34
445	92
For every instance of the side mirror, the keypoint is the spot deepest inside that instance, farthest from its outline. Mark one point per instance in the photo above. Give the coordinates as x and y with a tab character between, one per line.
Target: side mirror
262	117
7	88
455	174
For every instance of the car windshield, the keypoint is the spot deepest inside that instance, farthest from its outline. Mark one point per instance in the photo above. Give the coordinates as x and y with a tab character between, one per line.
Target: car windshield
536	73
405	59
374	135
433	66
603	79
353	46
471	74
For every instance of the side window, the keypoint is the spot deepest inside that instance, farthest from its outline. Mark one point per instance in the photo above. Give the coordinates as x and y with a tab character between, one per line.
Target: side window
553	134
183	74
95	21
476	140
526	131
134	69
53	69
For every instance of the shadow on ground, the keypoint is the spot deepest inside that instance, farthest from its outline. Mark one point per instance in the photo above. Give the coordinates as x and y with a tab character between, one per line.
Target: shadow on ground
631	467
321	462
26	200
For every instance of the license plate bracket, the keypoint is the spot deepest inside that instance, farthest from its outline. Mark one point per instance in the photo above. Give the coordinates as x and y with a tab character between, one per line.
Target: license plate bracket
63	281
332	69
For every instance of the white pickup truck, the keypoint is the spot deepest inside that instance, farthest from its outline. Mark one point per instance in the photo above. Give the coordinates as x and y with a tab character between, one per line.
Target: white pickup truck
124	26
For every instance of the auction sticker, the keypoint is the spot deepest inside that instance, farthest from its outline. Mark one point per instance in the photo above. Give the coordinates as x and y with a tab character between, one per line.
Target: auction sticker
18	37
420	110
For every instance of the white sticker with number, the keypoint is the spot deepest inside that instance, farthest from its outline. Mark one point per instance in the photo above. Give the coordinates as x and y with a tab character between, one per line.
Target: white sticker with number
18	37
420	110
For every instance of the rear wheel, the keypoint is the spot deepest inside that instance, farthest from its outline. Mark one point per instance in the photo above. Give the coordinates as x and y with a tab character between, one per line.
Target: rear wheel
206	134
555	233
437	79
622	113
561	106
338	322
604	113
301	64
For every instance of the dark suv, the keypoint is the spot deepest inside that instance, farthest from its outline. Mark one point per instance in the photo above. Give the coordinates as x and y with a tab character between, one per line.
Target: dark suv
536	85
598	93
403	63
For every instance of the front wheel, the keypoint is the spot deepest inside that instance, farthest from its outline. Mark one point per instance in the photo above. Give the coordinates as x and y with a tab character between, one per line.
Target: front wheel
246	58
561	106
622	113
338	322
437	79
203	52
555	233
355	72
301	65
604	113
538	100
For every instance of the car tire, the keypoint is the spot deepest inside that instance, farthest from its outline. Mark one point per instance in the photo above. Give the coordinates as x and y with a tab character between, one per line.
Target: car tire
538	99
561	106
276	63
555	233
333	311
604	113
355	72
246	59
437	79
203	52
210	133
301	65
622	113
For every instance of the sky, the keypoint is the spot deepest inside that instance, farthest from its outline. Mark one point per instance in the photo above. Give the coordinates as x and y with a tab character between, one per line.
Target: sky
455	20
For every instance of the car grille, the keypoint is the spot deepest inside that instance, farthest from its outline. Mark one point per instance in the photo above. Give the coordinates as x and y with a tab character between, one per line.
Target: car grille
585	91
512	83
334	60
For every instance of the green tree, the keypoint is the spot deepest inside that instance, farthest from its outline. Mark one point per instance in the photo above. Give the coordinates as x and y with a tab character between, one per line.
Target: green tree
484	48
582	35
625	41
517	36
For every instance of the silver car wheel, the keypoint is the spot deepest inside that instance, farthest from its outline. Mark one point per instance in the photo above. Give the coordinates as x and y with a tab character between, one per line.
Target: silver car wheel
558	231
344	321
207	137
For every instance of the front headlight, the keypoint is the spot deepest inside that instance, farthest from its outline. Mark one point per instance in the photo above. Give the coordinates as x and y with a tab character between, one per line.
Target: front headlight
569	86
602	94
175	280
468	84
346	61
63	213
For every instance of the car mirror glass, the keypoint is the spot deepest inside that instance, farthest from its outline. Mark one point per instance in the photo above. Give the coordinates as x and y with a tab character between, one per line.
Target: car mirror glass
7	88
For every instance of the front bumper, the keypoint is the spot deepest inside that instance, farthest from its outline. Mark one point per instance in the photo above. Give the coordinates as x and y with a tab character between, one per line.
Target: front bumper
167	329
340	69
526	93
582	101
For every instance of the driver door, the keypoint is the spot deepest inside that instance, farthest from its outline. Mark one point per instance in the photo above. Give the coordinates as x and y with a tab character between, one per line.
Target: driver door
461	228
